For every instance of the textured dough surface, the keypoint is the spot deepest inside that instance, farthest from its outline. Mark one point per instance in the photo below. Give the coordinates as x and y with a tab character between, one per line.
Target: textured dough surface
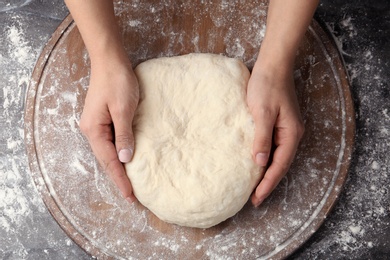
192	164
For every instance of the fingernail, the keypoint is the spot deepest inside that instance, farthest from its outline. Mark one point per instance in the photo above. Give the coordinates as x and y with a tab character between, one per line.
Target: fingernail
261	159
258	203
125	155
130	200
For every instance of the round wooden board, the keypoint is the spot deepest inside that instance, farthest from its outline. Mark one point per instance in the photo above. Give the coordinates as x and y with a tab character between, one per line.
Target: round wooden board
88	206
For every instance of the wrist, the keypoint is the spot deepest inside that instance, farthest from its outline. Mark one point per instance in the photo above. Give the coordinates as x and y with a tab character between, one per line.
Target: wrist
273	56
107	53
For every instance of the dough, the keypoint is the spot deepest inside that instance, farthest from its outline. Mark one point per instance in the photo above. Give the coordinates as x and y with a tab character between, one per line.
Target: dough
192	164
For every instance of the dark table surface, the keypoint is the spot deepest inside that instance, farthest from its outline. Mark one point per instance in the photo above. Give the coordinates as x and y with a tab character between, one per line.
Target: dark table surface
357	228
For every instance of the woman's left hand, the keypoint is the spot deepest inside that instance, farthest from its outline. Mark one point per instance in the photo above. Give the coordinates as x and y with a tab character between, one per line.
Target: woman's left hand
273	104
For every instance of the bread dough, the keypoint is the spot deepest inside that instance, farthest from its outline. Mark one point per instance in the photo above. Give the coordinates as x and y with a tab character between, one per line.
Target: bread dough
192	164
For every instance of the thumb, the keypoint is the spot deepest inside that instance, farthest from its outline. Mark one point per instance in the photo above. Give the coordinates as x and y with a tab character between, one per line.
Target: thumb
124	138
264	126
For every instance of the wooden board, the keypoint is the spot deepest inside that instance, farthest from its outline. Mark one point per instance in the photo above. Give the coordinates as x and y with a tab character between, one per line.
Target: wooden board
88	206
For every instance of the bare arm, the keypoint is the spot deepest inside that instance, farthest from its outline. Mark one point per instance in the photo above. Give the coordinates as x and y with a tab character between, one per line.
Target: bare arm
287	22
113	91
271	92
96	22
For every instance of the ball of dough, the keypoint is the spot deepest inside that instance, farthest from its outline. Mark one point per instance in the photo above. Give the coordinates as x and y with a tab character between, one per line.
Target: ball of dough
192	164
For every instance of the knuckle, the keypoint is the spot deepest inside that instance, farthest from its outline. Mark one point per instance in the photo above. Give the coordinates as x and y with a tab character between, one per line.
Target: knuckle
119	110
263	112
85	127
125	108
264	142
111	167
266	111
91	131
123	138
283	167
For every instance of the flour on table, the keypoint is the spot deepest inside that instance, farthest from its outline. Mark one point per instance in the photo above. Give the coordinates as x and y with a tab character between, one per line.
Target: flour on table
192	164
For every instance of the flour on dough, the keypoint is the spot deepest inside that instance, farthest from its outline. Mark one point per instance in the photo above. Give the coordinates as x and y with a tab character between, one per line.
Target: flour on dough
192	164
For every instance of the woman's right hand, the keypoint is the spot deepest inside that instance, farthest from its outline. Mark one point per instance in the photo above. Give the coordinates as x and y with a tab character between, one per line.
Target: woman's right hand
113	91
107	117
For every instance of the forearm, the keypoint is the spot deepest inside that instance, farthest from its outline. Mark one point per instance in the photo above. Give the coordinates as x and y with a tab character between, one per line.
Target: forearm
98	27
287	22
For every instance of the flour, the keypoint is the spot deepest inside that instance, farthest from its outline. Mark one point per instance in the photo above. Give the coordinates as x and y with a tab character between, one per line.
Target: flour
350	228
22	54
15	207
353	225
22	213
98	193
13	202
7	5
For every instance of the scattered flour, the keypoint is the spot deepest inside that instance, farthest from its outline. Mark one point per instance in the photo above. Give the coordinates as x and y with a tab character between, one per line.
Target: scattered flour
363	209
22	212
13	203
364	203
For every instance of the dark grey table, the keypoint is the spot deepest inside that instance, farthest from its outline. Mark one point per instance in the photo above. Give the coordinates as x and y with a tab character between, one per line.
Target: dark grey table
357	228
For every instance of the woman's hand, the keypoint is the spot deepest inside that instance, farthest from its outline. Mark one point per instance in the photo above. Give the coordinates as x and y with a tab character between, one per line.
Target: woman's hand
271	93
107	118
273	103
113	91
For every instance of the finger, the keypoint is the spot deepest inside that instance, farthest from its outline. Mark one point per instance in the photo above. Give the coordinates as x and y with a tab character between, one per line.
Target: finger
124	138
264	126
280	164
106	154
